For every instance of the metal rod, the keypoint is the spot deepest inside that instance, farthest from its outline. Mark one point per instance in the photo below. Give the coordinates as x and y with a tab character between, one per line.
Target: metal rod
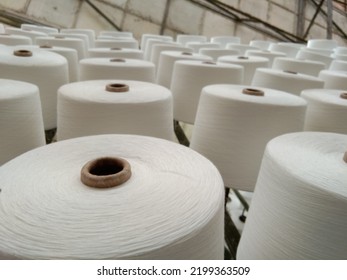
242	199
300	24
329	19
319	7
103	15
166	13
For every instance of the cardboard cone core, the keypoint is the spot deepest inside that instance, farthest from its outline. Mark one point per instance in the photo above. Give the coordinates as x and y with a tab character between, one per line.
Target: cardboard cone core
253	91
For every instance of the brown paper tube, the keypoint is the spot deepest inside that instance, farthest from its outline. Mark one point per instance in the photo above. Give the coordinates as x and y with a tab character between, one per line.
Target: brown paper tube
117	60
117	87
105	172
343	95
253	91
290	72
24	53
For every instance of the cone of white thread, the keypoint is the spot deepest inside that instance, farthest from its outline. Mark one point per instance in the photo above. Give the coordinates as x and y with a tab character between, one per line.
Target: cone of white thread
234	123
171	205
300	201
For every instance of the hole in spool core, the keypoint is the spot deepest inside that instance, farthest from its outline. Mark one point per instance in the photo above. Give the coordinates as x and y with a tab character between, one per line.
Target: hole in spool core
46	46
59	36
345	157
253	91
243	57
290	72
117	87
343	95
187	53
115	49
105	172
117	60
25	53
209	62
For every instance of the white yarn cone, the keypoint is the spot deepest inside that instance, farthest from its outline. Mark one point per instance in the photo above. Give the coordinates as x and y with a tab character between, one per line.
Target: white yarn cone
299	205
21	120
115	52
233	125
13	40
69	53
166	63
47	70
127	43
249	63
171	206
271	56
326	110
287	81
216	53
189	78
308	67
62	41
334	79
117	106
116	68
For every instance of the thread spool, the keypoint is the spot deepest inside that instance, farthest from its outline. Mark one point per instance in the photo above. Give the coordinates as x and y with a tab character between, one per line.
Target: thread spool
338	65
115	52
307	67
143	108
216	53
89	32
161	212
287	80
305	200
197	46
224	40
326	44
290	50
31	34
106	68
261	44
326	110
30	66
309	55
119	34
167	61
159	48
13	40
249	63
65	42
232	139
39	28
242	48
265	53
334	79
188	79
146	37
183	39
69	53
150	42
20	119
127	43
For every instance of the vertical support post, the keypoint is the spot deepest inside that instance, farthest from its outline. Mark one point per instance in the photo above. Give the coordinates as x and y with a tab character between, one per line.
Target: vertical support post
166	13
300	24
329	19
